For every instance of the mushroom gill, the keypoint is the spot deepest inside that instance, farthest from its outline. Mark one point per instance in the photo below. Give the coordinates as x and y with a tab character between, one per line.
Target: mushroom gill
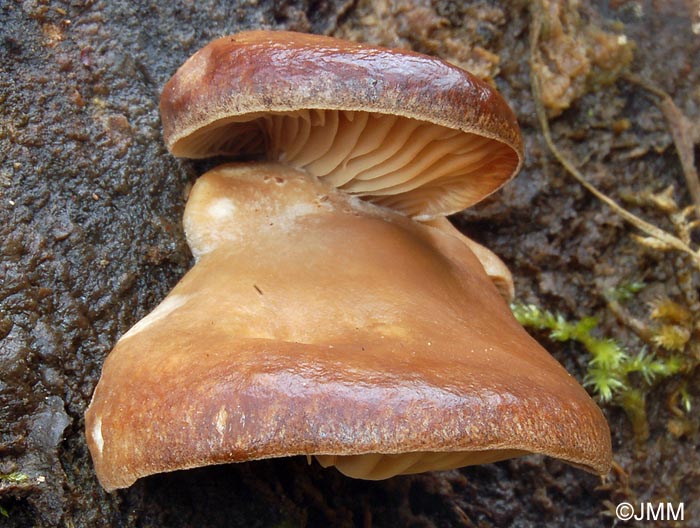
406	130
412	166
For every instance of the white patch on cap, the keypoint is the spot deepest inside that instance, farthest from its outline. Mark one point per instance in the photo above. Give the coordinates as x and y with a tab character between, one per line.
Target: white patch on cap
169	305
96	434
222	208
287	217
220	421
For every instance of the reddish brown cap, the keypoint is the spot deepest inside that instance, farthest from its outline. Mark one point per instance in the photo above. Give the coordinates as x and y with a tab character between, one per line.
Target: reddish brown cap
314	323
405	130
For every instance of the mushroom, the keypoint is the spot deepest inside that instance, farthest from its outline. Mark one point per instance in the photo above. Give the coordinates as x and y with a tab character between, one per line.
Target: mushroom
332	311
401	129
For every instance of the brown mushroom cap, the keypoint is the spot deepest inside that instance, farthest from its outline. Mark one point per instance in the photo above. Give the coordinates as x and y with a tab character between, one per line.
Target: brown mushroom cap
317	324
494	267
405	130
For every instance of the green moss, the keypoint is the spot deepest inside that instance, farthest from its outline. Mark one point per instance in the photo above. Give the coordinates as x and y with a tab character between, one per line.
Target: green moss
612	372
625	292
13	477
684	397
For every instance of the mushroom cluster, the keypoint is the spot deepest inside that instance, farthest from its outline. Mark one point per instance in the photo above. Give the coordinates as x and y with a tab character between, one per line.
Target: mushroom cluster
333	311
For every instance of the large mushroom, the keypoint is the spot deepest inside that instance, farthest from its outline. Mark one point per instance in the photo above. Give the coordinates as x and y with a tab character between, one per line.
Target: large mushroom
332	310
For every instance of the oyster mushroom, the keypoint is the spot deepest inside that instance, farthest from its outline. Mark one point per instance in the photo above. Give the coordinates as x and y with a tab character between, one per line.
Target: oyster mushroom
321	317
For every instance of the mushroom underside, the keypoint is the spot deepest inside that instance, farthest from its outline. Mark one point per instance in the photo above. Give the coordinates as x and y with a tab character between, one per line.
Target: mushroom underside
419	168
314	323
378	466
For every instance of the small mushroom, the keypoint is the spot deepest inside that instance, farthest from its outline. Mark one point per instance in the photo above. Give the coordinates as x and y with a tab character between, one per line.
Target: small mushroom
332	310
401	129
404	130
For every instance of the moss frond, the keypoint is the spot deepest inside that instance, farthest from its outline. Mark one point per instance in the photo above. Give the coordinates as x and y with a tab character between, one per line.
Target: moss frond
13	477
668	311
604	383
610	365
672	337
685	399
625	292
